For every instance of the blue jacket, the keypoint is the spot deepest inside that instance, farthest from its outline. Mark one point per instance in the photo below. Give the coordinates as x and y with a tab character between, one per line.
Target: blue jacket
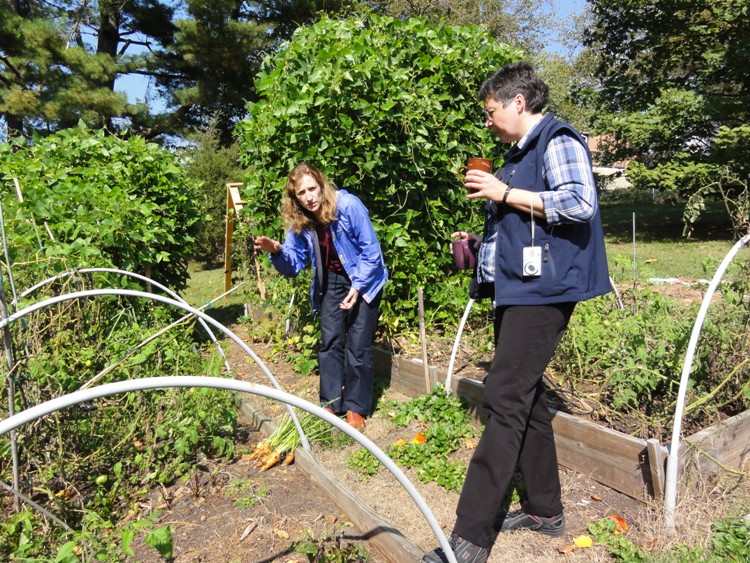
355	241
574	262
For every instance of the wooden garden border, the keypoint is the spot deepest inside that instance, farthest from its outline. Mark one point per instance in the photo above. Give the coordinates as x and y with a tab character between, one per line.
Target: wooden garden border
391	543
632	466
626	464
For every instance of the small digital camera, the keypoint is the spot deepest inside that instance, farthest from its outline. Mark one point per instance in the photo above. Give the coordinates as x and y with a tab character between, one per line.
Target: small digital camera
532	261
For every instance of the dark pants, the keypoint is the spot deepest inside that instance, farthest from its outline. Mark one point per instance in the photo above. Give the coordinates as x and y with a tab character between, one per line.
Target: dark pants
345	356
518	431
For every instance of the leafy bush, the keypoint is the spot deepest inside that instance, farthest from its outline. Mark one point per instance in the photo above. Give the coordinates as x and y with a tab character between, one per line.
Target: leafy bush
387	108
92	199
720	382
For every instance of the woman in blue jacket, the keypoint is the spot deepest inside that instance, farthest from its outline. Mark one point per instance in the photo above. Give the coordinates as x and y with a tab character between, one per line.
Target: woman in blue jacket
331	229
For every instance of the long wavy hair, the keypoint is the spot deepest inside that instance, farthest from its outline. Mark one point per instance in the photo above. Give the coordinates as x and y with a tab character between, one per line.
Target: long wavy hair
294	215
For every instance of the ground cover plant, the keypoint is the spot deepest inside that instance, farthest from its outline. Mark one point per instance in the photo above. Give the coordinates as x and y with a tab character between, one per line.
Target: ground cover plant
445	425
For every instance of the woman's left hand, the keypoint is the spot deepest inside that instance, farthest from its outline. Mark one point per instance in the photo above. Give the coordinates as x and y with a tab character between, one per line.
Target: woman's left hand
350	300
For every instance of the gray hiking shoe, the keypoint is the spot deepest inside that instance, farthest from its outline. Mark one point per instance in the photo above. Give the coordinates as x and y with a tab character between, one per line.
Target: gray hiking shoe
464	550
553	526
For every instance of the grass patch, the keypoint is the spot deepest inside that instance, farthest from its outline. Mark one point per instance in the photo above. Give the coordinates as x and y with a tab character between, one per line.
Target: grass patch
205	285
661	250
685	259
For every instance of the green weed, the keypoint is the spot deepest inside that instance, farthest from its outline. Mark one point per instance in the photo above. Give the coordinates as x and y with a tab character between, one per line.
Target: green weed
730	540
606	532
245	493
447	425
330	548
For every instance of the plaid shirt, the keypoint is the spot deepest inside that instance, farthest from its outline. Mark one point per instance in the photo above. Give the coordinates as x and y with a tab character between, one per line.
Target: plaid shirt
570	199
567	171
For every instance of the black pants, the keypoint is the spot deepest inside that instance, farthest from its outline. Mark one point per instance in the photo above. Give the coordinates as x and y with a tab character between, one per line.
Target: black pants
345	355
518	431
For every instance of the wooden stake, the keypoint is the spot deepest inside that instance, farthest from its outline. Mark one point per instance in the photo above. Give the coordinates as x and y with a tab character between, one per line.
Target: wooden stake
233	202
424	342
234	205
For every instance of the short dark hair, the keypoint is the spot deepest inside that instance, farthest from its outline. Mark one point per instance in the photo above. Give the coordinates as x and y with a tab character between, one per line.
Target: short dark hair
516	78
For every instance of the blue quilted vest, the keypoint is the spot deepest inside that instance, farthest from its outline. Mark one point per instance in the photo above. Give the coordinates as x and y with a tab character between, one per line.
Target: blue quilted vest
574	261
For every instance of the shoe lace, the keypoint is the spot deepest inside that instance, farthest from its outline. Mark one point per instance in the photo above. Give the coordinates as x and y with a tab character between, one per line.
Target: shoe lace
453	541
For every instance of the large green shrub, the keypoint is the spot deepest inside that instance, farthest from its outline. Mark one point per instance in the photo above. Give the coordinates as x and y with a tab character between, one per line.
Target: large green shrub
92	199
388	109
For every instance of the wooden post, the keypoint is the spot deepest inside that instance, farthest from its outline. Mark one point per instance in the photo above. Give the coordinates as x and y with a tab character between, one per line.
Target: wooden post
656	458
234	205
423	339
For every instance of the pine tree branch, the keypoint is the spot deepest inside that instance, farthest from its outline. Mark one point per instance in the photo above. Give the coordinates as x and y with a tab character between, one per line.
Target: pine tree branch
12	69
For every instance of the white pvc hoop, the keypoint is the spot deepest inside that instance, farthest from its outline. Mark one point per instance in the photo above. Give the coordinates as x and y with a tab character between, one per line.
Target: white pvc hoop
53	405
127	273
180	305
670	482
460	331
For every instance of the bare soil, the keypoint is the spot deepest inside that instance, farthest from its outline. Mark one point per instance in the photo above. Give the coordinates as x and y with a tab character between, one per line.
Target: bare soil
232	512
209	525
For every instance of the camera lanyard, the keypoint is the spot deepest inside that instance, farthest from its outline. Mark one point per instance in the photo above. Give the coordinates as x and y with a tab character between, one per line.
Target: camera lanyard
531	212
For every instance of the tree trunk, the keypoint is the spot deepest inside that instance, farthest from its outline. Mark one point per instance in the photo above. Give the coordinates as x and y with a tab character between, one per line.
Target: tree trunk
109	33
15	125
21	7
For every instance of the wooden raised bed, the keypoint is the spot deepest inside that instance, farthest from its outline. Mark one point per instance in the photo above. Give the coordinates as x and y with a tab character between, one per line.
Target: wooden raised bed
626	464
632	466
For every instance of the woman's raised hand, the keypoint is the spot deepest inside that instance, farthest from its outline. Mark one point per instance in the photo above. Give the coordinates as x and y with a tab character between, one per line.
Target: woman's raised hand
266	244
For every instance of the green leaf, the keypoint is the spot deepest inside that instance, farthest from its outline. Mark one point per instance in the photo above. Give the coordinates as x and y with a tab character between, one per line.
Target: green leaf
161	540
65	553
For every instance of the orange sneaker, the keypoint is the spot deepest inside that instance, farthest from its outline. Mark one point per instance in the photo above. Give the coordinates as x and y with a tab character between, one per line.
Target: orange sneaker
355	420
